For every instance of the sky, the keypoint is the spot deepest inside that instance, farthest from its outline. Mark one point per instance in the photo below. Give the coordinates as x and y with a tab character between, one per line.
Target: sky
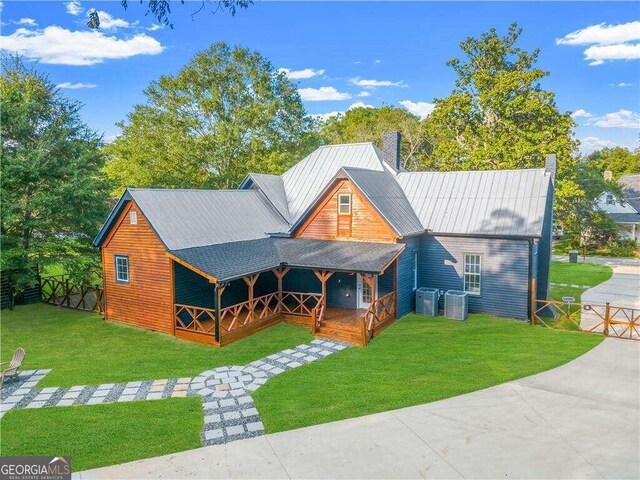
340	54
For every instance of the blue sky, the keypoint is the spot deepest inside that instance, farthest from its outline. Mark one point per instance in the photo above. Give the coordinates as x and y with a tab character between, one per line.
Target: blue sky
341	54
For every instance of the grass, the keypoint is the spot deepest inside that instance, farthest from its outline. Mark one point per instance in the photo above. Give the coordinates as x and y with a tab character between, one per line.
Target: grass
100	435
83	349
417	360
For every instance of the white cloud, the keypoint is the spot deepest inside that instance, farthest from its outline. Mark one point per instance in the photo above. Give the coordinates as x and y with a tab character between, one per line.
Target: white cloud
619	119
75	86
300	74
602	34
598	54
57	45
29	22
591	144
581	113
154	27
74	8
364	93
622	84
420	109
325	116
377	61
322	94
359	105
109	22
364	83
607	42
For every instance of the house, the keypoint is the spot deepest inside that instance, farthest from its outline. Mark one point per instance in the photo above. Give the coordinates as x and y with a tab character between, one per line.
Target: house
624	211
339	243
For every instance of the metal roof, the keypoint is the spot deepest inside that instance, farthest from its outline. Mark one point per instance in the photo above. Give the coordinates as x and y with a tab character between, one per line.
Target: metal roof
494	202
308	178
386	196
190	218
234	260
273	188
631	190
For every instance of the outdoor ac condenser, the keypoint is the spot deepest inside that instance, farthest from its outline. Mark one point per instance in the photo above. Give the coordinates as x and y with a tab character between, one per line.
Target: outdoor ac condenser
456	304
427	301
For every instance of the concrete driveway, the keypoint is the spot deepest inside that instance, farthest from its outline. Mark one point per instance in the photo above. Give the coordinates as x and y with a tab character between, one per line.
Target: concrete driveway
580	420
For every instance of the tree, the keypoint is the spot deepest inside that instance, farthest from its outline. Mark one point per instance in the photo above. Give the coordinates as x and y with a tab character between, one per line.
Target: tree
619	160
499	116
53	194
226	113
368	125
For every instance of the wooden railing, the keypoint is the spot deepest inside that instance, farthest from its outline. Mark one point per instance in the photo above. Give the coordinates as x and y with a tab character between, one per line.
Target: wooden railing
611	321
57	290
195	319
299	303
317	316
379	313
244	313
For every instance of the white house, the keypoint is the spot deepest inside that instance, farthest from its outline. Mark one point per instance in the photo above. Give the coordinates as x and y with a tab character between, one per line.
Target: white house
624	211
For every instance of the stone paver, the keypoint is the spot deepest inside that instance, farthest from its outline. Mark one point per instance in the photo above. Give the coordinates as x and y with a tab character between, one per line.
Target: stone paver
229	411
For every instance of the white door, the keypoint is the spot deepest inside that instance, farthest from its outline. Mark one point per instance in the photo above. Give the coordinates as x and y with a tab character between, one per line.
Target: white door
365	294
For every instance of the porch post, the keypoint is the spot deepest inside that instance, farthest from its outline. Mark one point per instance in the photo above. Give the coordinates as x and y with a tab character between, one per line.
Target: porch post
280	273
323	276
216	312
251	281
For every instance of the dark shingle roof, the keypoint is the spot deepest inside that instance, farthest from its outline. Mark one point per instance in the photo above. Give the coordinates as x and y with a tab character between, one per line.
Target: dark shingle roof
229	261
625	217
631	190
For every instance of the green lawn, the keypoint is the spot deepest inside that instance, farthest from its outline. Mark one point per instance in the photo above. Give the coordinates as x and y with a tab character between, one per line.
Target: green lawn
417	360
82	349
580	273
100	435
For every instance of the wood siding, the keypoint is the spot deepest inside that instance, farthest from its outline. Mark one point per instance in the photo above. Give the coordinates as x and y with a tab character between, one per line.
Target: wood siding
364	223
147	299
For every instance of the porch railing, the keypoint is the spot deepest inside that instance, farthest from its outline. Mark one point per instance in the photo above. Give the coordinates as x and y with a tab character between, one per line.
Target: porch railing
381	311
299	303
244	313
195	319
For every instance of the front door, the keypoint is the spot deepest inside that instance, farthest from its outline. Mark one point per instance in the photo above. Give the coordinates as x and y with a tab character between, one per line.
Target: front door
365	293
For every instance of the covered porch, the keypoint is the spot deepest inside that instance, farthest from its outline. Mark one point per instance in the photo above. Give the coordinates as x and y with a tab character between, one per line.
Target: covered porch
346	305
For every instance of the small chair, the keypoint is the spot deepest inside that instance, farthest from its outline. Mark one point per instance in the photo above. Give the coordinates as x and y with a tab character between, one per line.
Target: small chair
14	364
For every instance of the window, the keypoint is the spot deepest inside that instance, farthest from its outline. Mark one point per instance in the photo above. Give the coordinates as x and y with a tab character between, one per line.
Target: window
122	269
472	269
344	204
609	200
414	269
133	218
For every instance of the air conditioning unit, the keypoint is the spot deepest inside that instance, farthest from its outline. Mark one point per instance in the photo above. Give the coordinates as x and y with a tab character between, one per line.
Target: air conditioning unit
427	301
456	304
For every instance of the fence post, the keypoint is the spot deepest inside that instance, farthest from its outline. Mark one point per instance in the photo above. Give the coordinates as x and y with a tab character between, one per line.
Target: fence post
607	319
66	293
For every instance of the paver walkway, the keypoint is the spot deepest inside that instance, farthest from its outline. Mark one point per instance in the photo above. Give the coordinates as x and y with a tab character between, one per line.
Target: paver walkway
225	391
580	420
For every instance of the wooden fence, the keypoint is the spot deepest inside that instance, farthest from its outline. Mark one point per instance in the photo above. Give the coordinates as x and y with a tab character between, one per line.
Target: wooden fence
606	319
58	290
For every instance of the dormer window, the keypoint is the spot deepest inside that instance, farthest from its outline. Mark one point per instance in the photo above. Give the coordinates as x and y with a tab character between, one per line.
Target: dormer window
609	199
344	204
133	218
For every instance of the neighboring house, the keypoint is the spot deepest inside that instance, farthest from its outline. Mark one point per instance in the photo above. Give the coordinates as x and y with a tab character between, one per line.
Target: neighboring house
339	242
624	211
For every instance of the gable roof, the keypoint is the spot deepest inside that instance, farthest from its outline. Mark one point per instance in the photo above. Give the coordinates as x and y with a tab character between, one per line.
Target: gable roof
230	261
493	202
273	188
190	218
631	190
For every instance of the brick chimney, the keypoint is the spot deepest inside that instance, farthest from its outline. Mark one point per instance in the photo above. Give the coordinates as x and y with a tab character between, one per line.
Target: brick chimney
551	165
391	149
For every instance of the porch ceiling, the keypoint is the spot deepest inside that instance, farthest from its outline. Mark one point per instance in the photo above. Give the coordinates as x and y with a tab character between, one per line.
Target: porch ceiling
229	261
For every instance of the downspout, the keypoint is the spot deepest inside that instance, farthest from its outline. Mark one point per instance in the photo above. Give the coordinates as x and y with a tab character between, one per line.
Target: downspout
216	309
530	282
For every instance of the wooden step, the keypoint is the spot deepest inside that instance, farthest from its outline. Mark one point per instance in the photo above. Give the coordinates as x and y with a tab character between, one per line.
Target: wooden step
340	335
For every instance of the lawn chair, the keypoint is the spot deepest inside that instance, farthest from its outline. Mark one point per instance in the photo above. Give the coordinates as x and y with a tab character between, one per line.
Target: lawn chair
14	365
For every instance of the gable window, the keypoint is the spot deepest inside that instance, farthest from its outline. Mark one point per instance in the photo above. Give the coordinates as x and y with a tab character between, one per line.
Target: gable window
122	269
344	204
414	269
609	200
472	272
133	218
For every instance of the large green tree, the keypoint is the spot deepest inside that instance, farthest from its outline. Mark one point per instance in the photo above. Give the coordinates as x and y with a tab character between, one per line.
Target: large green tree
54	195
619	160
368	124
226	113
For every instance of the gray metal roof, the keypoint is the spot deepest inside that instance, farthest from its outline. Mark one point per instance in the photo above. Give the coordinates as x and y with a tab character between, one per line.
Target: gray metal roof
631	190
308	178
625	217
190	218
273	188
495	202
234	260
385	194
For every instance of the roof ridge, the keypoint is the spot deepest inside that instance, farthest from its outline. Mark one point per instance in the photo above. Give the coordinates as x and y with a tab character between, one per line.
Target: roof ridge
540	169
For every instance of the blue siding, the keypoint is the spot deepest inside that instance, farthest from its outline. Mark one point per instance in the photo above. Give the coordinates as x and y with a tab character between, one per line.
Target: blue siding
300	280
191	288
504	278
385	281
341	290
406	294
544	248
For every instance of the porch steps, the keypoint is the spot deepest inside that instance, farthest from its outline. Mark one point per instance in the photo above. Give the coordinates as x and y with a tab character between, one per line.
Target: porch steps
340	332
